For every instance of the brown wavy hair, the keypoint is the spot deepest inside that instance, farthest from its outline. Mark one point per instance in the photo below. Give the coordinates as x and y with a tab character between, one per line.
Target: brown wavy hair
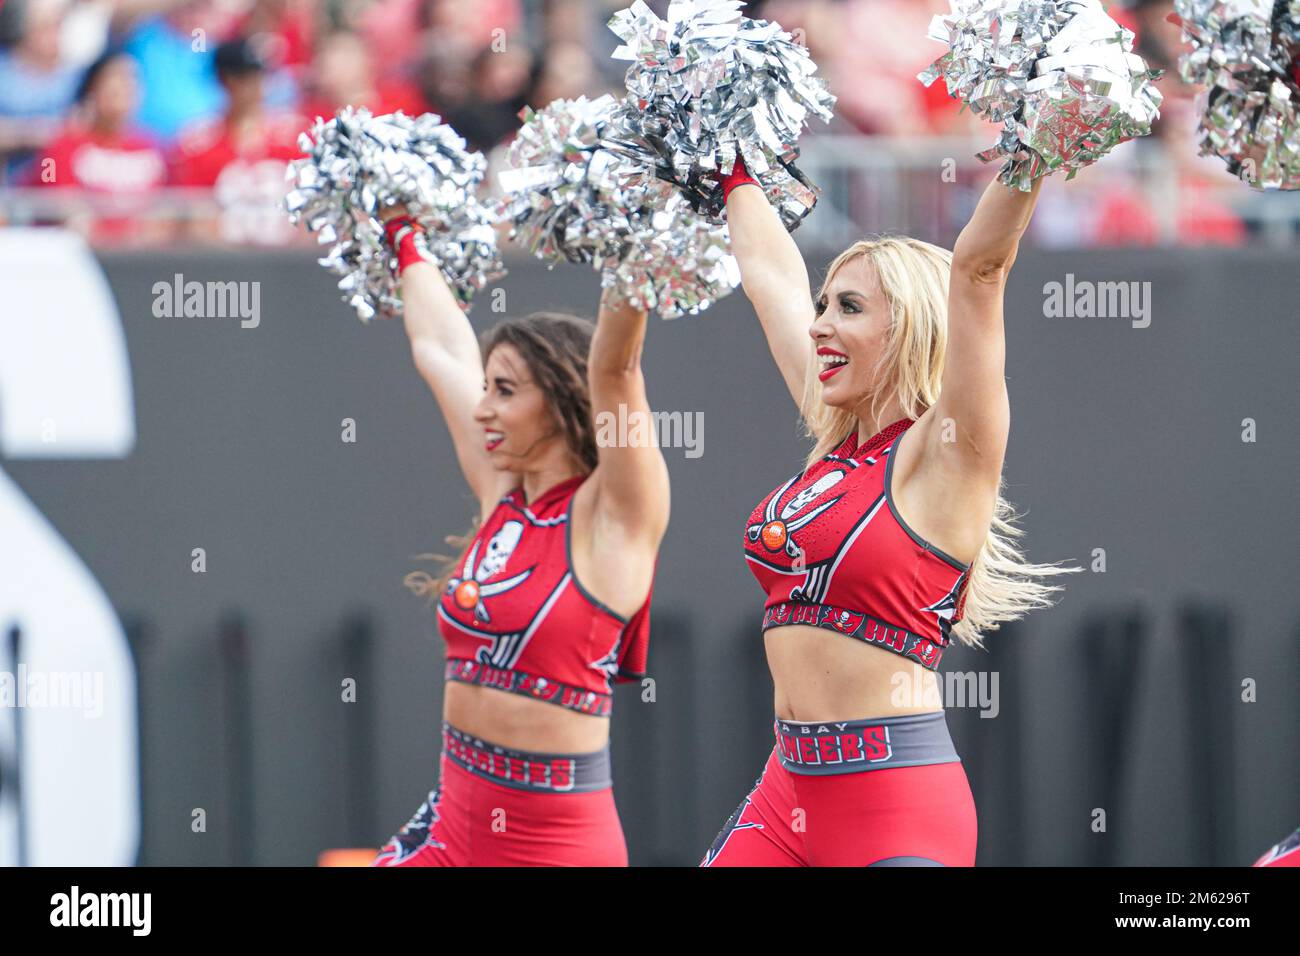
554	346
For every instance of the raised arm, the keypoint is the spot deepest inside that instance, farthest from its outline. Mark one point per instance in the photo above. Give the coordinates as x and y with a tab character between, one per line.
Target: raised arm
447	356
974	389
947	476
774	277
631	479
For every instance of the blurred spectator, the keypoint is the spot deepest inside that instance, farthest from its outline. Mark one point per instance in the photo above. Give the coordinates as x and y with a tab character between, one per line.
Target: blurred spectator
870	52
402	27
242	156
283	28
37	85
1159	42
567	71
86	28
100	152
446	75
343	74
174	51
283	32
1128	211
499	87
1154	191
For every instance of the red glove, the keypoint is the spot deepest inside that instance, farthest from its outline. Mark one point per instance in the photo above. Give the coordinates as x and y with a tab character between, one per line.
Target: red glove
738	176
400	232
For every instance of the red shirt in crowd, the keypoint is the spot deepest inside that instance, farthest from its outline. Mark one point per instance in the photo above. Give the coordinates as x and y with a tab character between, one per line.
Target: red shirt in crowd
245	169
128	166
1126	217
204	153
389	98
124	163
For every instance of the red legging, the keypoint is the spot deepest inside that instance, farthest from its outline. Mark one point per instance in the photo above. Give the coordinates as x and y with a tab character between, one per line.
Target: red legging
899	816
470	821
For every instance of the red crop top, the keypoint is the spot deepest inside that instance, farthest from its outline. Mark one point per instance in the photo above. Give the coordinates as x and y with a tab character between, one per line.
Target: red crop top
516	618
831	551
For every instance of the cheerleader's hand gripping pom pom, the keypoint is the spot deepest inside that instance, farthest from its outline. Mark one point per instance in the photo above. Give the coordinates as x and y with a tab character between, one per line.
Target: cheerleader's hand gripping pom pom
400	232
570	198
708	86
1060	76
358	165
1246	54
738	176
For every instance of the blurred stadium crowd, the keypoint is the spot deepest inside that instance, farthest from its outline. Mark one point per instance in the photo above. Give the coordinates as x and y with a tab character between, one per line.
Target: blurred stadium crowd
140	122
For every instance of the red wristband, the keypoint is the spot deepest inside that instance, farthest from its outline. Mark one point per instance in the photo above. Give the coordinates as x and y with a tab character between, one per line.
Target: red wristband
738	176
400	234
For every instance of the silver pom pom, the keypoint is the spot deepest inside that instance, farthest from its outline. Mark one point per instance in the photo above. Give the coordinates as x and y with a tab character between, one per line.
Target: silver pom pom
1246	53
1060	76
570	198
707	84
678	262
357	165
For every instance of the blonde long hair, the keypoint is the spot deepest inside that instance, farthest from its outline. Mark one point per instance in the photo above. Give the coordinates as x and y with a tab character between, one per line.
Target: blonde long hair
913	275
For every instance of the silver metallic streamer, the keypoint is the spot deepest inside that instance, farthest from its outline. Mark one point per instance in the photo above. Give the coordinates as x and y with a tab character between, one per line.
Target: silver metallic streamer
1060	76
572	199
707	84
357	165
1245	53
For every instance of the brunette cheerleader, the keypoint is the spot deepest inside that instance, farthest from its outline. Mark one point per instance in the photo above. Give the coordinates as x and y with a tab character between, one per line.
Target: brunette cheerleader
548	605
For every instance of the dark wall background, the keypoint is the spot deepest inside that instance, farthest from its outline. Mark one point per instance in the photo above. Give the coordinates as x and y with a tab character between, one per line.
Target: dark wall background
1126	696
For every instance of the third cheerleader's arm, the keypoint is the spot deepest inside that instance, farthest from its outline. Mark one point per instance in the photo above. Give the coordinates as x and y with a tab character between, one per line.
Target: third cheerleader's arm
774	277
446	354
